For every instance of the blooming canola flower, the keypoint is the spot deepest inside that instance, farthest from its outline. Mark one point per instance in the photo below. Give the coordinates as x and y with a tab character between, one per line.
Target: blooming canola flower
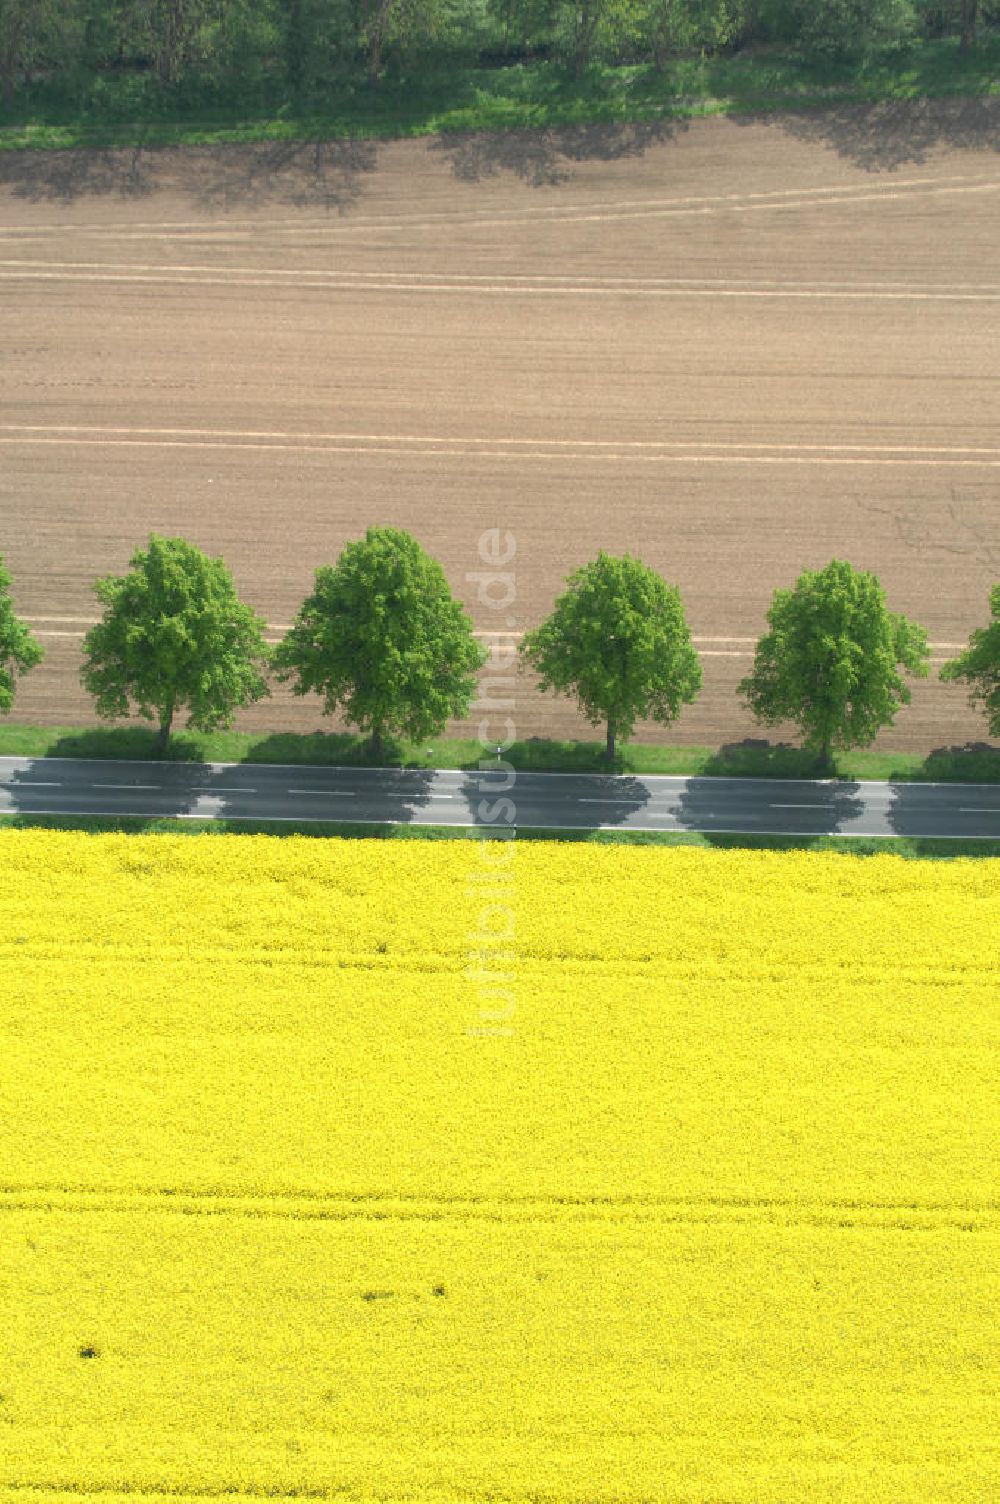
712	1216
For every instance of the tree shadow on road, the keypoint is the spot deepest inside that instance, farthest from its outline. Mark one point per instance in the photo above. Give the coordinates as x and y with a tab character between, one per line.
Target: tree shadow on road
711	806
178	786
882	136
542	157
297	174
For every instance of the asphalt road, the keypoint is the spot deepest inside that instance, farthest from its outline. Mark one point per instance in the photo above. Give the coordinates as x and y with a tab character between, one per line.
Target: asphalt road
555	801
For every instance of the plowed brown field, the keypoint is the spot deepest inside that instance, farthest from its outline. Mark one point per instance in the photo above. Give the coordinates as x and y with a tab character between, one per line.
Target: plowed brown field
738	349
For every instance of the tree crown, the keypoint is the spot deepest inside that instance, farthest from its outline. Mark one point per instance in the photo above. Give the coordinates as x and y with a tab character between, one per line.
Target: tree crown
618	641
382	639
19	651
979	666
174	634
831	661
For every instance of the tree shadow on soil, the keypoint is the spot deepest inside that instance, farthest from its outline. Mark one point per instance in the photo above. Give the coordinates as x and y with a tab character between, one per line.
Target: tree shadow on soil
298	174
85	172
541	157
882	136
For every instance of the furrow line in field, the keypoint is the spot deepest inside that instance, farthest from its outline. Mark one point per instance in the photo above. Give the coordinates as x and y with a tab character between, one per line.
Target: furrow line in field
312	282
526	1209
439	441
153	1491
455	963
615	456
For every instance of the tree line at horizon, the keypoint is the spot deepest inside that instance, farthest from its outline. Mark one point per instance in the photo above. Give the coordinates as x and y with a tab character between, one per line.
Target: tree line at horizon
315	52
384	643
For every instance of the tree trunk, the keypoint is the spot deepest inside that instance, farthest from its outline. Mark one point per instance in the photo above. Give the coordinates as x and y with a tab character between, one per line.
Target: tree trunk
376	39
611	742
166	56
375	745
294	47
10	46
970	10
374	62
586	25
163	739
175	27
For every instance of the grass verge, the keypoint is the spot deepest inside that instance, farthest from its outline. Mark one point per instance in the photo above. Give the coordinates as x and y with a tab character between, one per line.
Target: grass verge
531	94
910	847
754	758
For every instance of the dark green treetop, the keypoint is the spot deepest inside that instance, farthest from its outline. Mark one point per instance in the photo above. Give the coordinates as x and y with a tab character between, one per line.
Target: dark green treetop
618	641
19	652
979	666
831	661
382	639
174	635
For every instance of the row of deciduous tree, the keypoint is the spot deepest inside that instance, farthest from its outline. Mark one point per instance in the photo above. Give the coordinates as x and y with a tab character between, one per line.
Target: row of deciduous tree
305	47
383	642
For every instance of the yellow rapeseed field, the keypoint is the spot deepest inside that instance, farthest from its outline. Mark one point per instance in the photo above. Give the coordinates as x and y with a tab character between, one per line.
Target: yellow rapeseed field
461	1172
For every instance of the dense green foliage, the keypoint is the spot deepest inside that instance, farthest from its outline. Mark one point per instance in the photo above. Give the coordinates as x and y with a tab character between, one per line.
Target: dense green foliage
174	634
618	642
382	639
832	658
19	651
148	59
979	666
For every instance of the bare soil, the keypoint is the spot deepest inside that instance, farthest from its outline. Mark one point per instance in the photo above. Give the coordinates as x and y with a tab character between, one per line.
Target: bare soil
737	349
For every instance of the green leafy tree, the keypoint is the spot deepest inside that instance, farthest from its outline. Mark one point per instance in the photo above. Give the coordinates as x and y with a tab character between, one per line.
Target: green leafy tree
172	28
174	635
578	27
524	24
618	641
661	29
848	29
573	32
382	639
34	35
397	27
979	666
832	658
312	34
238	46
19	652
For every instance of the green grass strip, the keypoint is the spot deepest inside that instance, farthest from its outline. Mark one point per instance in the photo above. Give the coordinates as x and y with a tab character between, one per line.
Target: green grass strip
975	763
910	847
